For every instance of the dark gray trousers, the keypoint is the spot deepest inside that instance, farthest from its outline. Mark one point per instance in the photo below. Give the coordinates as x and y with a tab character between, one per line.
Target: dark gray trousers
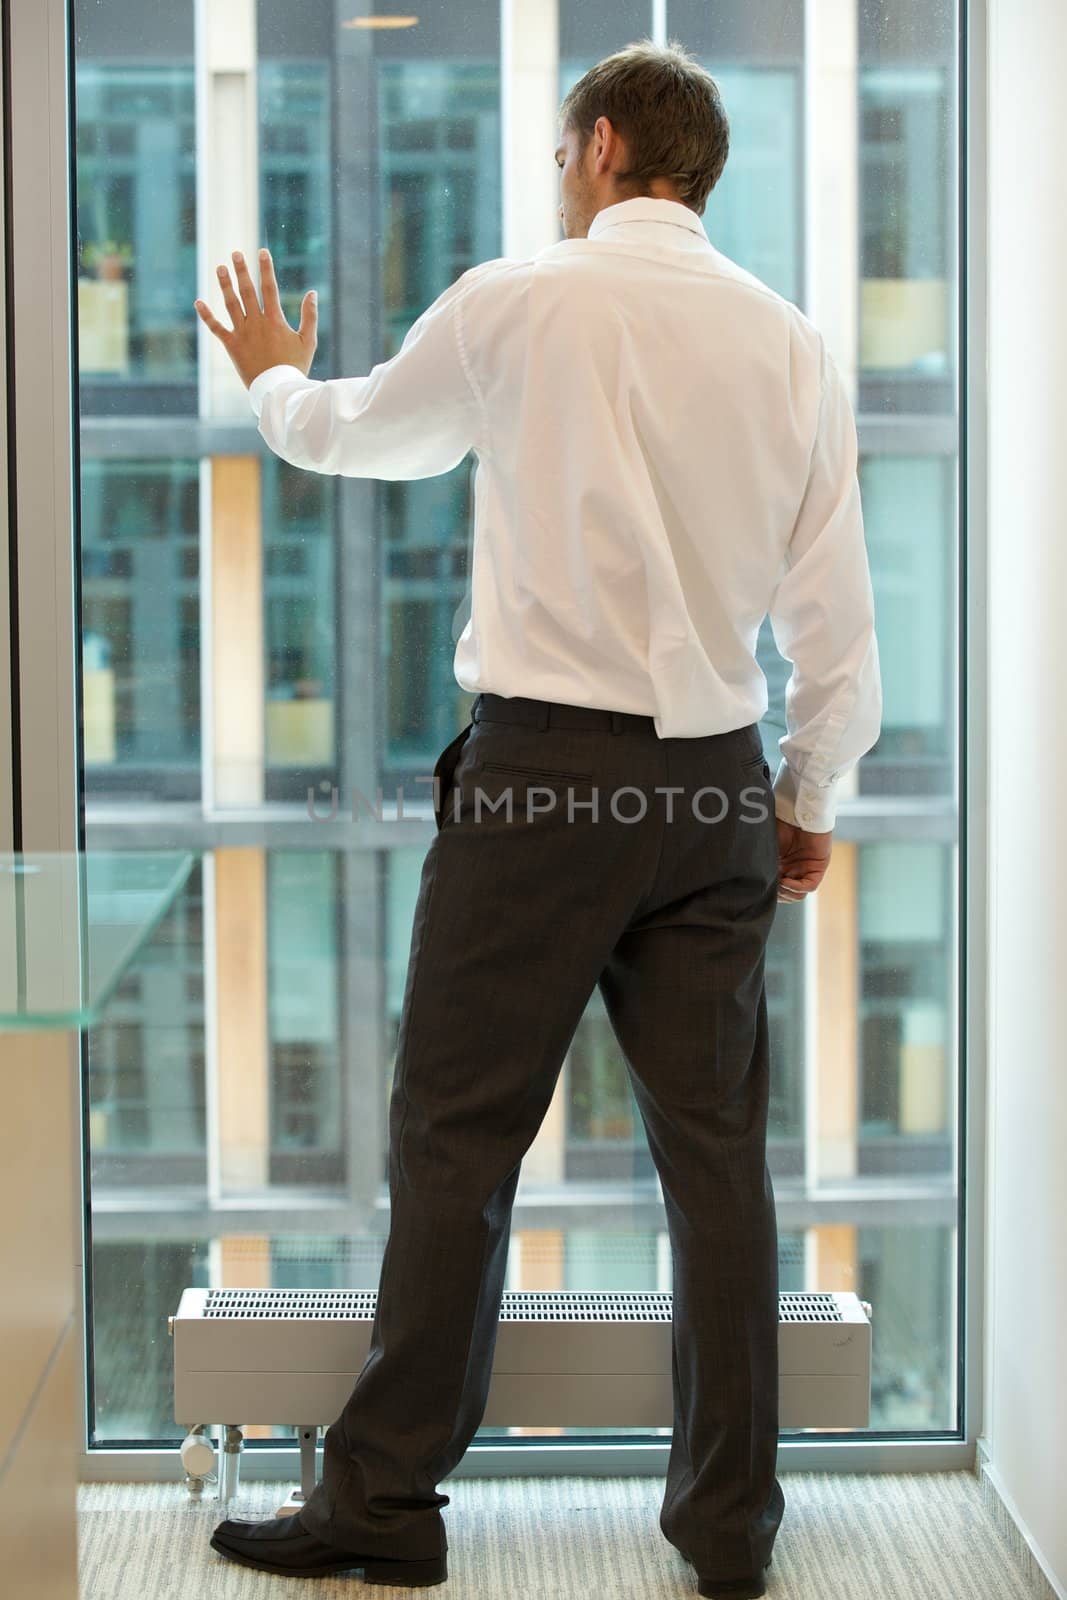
664	897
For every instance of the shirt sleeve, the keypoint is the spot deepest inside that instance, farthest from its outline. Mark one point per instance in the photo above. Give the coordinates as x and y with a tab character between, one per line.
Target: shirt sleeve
413	416
822	617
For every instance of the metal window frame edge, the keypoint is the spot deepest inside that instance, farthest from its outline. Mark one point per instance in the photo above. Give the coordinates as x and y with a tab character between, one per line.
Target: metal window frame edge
42	807
10	820
43	427
973	717
40	471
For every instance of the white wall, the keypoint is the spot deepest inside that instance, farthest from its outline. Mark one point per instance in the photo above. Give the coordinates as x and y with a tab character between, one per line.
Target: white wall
1026	1222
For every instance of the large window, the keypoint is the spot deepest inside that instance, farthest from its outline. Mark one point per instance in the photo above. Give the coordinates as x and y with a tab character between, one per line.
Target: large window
256	641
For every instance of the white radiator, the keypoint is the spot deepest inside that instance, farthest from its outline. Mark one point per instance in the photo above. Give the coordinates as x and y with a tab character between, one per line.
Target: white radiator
563	1359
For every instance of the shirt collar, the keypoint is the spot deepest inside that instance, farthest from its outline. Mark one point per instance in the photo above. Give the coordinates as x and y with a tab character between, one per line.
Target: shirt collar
646	208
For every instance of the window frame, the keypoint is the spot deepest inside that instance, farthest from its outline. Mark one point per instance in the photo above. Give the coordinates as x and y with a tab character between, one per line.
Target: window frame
40	687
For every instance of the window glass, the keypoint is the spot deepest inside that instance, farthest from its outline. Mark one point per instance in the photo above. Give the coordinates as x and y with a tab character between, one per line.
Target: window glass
266	653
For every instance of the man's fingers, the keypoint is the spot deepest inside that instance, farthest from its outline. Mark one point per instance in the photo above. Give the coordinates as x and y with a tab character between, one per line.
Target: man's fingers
269	284
208	316
802	865
795	885
249	293
229	294
803	869
797	880
804	881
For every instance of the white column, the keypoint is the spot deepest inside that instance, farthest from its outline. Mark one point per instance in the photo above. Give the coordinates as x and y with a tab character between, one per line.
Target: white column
227	179
529	90
1026	1288
832	174
231	545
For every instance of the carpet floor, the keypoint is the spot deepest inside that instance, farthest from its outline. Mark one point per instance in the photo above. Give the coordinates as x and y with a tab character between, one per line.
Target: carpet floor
863	1536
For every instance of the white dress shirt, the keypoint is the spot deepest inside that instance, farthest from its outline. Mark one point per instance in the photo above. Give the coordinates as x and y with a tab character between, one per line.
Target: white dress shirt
666	452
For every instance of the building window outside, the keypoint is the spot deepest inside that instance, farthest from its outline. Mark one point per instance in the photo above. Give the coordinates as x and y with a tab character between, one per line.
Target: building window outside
382	168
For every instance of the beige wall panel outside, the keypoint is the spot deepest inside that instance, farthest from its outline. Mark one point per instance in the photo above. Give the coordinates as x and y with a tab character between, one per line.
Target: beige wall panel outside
237	630
243	1052
836	1253
245	1264
837	1064
244	1261
924	1087
544	1160
541	1257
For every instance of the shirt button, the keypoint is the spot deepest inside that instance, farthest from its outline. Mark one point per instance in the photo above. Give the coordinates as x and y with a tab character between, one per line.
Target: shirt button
806	816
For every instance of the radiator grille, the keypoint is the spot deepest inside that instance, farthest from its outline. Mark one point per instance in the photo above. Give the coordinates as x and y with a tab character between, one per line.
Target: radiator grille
519	1305
794	1306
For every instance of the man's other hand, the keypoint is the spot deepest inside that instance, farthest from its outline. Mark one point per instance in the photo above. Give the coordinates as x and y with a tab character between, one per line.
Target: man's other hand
802	860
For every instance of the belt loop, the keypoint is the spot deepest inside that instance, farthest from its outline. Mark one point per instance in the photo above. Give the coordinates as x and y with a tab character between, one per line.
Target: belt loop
543	716
476	707
616	721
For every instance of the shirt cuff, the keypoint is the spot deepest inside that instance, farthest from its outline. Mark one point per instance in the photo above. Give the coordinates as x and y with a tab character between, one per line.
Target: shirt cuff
269	379
810	806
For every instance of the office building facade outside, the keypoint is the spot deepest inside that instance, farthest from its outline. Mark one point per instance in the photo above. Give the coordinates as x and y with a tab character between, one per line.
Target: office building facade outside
255	639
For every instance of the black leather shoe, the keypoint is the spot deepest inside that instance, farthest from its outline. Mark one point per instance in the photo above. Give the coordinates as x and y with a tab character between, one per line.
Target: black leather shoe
283	1546
734	1588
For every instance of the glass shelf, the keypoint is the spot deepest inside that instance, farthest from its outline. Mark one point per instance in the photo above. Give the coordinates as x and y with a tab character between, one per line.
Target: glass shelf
71	923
